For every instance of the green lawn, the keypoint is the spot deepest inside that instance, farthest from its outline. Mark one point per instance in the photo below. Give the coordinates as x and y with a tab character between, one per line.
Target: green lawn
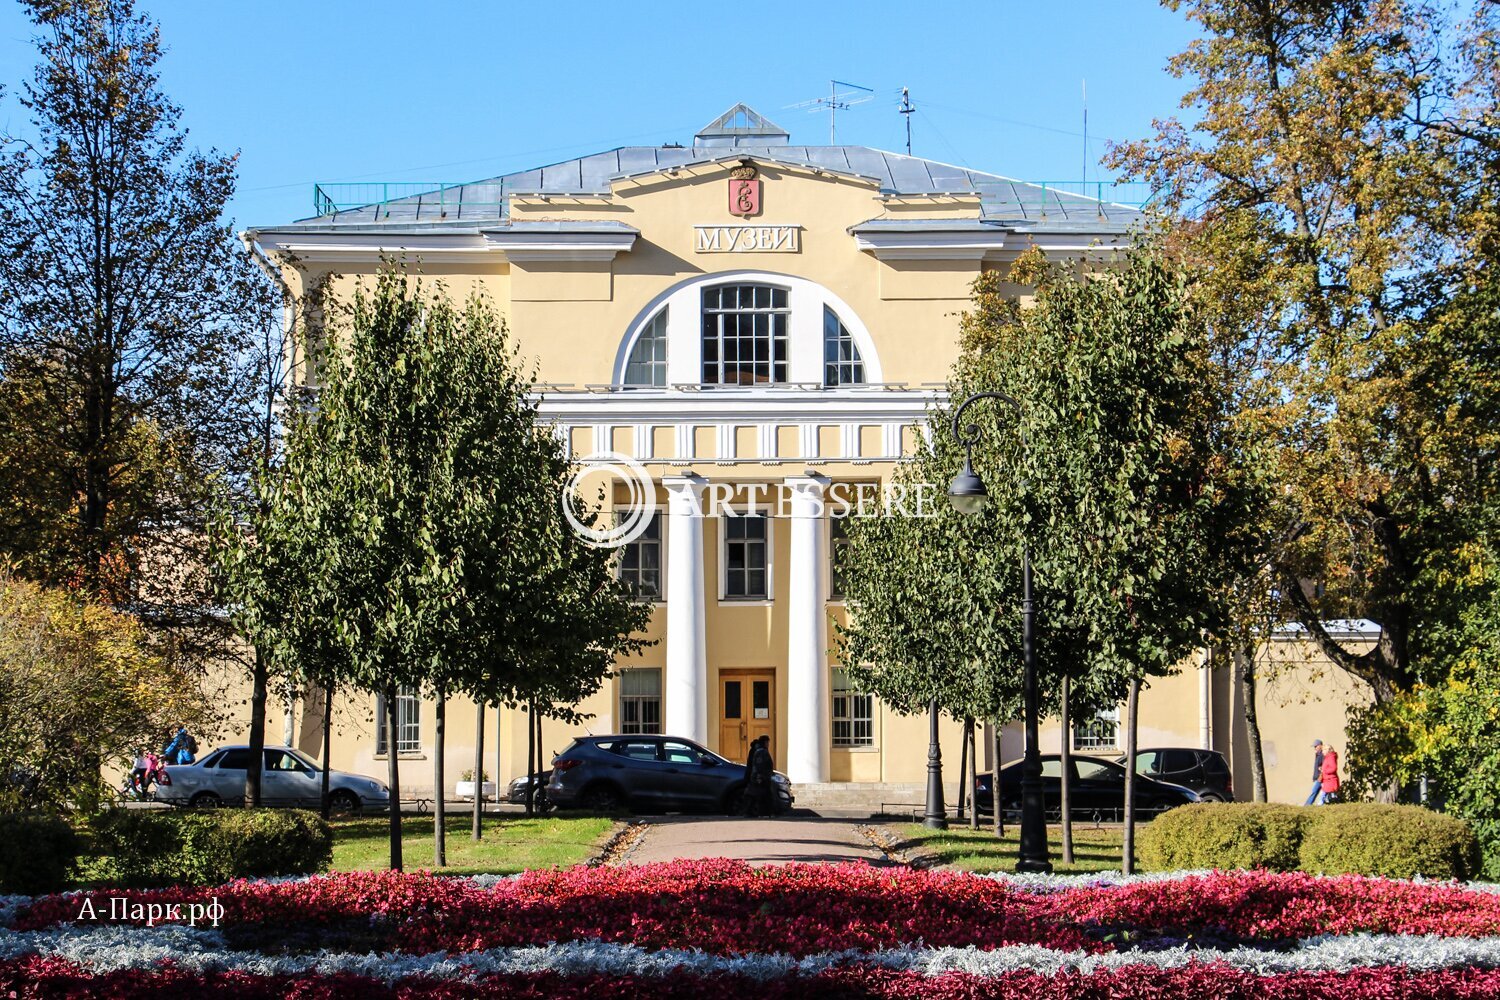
1094	848
510	844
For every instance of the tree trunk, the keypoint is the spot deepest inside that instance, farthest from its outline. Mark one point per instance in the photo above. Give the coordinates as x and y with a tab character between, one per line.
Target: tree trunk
393	774
1066	802
439	785
999	817
477	831
1245	661
530	757
963	766
260	680
1132	705
327	742
499	774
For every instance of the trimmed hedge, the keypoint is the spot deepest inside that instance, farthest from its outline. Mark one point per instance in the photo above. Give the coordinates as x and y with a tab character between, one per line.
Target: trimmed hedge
37	853
1368	838
151	848
1362	838
1223	835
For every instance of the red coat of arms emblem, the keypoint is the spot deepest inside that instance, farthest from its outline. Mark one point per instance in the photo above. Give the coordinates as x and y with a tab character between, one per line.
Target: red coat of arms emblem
744	197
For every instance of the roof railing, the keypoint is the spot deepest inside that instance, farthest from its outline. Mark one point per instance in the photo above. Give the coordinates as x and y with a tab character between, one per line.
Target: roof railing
427	199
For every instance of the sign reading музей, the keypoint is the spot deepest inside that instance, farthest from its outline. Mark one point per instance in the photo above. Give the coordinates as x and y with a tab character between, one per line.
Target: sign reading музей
747	239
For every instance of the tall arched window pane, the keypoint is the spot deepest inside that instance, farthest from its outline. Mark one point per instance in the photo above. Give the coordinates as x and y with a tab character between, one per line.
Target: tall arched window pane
647	366
745	335
842	364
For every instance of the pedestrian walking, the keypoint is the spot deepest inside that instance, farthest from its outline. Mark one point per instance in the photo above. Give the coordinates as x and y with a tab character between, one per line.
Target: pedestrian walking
1329	776
1317	788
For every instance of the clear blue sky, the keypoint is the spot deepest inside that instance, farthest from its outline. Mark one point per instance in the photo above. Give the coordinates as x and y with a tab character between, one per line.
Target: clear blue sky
316	90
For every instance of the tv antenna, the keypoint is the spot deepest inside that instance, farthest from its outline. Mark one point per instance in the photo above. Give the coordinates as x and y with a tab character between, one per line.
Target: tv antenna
906	108
835	102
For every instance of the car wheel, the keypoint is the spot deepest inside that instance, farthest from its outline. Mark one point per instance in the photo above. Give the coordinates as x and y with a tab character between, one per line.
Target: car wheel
603	798
343	803
206	800
734	801
1210	797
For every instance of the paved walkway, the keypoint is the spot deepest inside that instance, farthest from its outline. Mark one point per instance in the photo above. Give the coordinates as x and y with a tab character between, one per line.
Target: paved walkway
758	841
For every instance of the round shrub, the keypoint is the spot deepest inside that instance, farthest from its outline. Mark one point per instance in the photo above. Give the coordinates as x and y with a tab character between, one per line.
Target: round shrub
37	853
1222	835
1368	838
155	848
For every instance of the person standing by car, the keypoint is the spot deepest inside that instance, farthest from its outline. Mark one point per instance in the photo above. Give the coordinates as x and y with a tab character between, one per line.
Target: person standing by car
1329	776
758	767
1317	788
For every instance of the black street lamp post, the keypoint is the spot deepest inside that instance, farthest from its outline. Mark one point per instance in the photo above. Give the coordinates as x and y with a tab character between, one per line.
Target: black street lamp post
936	816
968	495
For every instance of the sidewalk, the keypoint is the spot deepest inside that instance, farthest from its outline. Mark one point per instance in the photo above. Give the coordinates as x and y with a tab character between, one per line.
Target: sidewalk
758	841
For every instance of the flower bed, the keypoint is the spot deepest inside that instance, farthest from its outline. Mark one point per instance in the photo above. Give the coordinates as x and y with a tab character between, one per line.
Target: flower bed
675	929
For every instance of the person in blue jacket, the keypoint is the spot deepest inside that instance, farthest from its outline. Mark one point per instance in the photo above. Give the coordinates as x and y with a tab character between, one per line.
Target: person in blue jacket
182	749
1317	785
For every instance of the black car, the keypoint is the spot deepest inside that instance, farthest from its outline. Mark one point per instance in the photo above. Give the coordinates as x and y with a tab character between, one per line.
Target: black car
1097	790
650	774
1204	771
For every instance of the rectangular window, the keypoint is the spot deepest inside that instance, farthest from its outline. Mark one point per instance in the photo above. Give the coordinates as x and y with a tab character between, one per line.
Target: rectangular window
408	722
746	557
838	545
1102	732
640	562
640	701
853	714
745	335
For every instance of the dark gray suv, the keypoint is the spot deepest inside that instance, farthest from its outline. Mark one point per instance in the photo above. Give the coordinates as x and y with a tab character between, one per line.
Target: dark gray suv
651	774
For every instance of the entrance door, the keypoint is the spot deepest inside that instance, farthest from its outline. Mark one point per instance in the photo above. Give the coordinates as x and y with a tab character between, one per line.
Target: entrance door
746	711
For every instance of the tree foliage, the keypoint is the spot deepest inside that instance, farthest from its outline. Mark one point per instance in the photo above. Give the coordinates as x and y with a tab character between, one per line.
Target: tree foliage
1118	466
79	687
126	308
1334	189
414	535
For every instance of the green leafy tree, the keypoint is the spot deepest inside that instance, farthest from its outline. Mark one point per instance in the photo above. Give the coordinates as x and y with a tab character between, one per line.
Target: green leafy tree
1118	464
1335	186
414	536
126	310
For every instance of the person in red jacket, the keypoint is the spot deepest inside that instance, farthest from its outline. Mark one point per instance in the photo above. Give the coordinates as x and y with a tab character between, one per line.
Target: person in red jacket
1330	775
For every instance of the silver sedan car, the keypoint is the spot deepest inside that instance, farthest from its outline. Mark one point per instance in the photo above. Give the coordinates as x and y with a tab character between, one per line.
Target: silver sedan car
287	779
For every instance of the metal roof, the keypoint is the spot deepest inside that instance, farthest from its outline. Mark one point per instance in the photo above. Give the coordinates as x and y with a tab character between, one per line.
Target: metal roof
1004	200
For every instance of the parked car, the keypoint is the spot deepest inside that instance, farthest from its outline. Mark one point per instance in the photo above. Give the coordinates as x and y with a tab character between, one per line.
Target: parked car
287	779
651	774
1204	771
516	794
1096	791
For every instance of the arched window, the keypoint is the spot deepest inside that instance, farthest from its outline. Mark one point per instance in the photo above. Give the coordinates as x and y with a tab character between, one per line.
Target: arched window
842	364
745	335
647	366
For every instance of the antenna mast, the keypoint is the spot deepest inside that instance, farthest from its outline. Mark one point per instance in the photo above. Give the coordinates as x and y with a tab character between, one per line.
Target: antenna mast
907	107
836	102
1085	136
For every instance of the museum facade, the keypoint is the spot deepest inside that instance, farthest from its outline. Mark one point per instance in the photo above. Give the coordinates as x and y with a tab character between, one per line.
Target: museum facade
745	318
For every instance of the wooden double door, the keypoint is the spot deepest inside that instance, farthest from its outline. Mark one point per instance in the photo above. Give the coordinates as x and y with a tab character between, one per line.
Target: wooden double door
747	711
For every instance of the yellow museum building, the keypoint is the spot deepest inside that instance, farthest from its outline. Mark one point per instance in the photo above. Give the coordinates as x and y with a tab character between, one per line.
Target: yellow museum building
747	316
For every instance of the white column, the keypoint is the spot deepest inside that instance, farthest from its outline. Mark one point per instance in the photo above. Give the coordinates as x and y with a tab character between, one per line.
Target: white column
807	633
686	695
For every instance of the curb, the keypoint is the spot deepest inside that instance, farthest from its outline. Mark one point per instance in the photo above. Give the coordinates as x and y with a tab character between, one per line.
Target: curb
620	845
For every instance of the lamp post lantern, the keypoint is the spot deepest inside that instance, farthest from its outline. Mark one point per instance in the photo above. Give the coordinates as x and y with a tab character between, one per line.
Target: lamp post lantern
968	495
